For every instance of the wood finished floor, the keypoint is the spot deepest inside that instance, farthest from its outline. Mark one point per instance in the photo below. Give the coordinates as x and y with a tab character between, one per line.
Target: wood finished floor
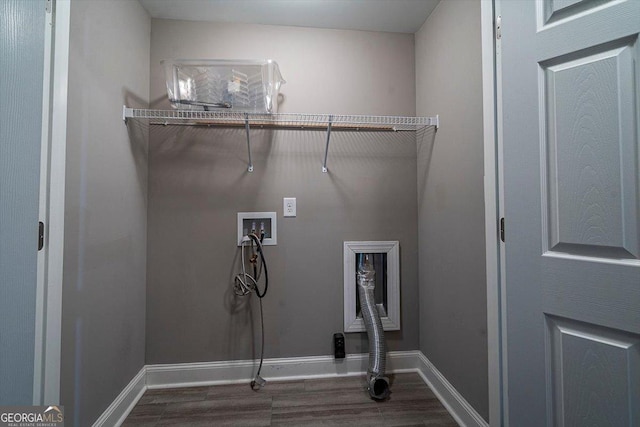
318	402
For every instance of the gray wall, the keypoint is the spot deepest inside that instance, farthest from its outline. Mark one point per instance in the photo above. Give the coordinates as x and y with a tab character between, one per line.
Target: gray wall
453	317
21	68
198	182
103	319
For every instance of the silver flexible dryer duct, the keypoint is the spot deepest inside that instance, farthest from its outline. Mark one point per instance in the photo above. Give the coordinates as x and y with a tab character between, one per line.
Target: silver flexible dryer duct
378	384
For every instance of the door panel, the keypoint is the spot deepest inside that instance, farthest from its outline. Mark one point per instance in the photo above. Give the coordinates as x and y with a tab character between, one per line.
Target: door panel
570	102
594	374
589	140
555	10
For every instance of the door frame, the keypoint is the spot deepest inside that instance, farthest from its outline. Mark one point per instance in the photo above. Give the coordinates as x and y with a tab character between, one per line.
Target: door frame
493	199
48	336
43	205
52	198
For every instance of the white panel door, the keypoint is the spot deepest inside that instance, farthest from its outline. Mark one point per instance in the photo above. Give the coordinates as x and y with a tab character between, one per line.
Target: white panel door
570	101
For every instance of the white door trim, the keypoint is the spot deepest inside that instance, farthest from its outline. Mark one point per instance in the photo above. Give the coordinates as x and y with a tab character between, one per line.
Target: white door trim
49	388
52	310
493	203
502	302
43	207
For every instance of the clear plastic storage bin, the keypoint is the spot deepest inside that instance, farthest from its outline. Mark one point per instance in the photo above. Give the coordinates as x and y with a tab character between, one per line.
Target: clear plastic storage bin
251	86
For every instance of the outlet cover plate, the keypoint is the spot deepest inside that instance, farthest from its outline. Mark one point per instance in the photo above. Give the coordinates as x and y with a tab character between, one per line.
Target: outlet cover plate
289	206
257	216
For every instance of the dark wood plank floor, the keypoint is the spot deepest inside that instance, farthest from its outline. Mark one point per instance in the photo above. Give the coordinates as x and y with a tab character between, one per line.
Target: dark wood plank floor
316	402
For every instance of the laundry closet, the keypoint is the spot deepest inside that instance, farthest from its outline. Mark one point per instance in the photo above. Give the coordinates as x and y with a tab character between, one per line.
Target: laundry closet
150	225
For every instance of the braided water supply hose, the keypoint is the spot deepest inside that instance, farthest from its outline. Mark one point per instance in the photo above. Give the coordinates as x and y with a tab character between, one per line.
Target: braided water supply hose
245	284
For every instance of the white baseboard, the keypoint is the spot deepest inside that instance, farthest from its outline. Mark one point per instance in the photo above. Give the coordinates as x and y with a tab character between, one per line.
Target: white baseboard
238	371
457	405
212	373
116	413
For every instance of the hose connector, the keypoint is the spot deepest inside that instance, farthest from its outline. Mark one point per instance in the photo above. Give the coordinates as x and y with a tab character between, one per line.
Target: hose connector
257	383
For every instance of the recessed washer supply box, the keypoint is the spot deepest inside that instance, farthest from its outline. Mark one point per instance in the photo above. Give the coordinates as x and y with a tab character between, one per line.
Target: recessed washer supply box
256	222
223	85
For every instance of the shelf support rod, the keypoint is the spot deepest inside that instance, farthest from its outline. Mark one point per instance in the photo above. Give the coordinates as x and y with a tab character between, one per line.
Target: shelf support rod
326	148
246	127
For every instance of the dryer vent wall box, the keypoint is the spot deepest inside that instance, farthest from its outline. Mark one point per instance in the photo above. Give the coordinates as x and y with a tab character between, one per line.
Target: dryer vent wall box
257	222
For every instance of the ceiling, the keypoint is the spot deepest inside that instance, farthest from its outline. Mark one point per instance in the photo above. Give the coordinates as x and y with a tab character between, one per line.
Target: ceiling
398	16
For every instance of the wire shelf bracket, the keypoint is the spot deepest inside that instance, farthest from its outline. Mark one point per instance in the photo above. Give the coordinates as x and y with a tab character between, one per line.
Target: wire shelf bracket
326	148
247	129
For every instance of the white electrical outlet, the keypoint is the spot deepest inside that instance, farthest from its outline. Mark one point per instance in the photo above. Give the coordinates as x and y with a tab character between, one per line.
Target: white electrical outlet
289	206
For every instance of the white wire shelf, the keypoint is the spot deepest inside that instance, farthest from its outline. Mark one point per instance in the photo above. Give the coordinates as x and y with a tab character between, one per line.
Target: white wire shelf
325	122
280	120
